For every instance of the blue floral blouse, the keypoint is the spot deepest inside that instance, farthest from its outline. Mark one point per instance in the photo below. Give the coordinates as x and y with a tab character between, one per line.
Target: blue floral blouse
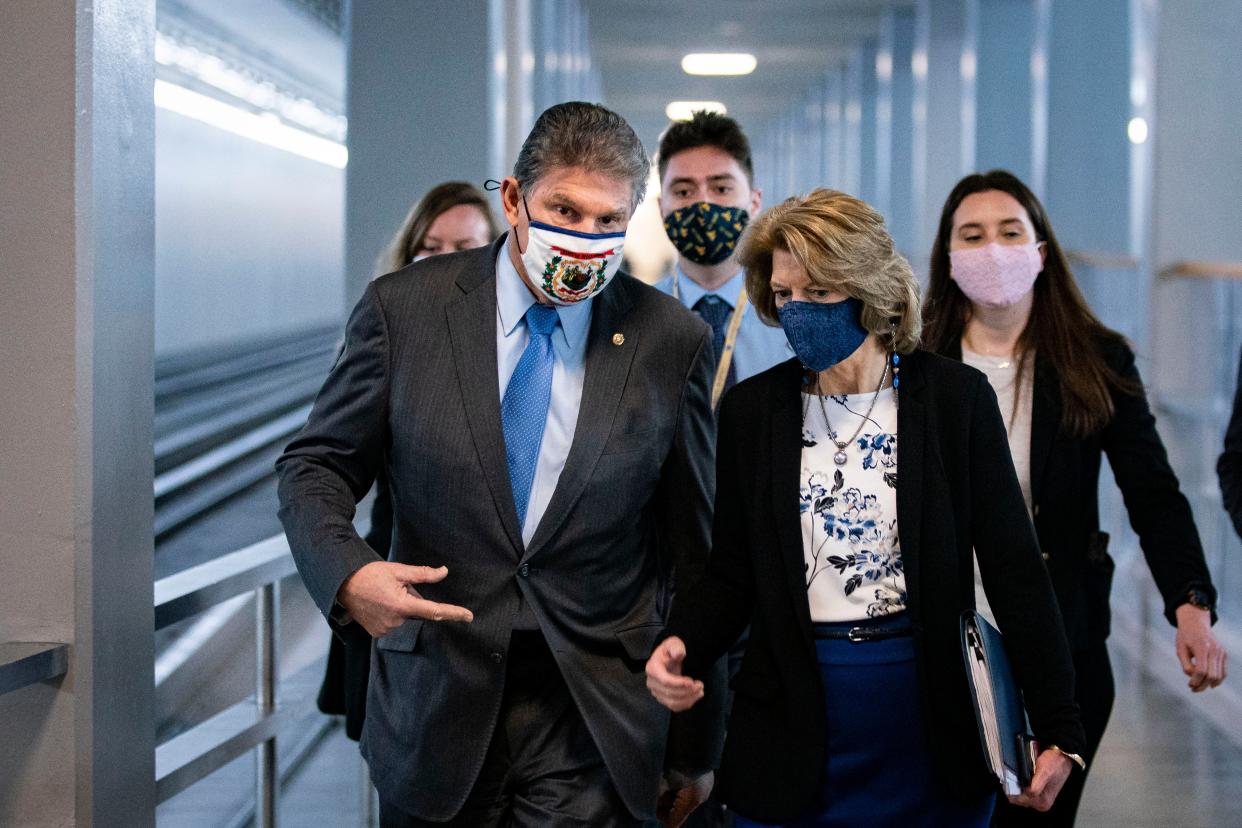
849	512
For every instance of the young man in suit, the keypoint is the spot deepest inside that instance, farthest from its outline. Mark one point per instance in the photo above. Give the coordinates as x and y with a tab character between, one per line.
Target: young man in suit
707	197
547	431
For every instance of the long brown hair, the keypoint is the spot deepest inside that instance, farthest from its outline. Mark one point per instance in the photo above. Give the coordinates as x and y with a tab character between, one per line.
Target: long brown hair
1062	328
438	200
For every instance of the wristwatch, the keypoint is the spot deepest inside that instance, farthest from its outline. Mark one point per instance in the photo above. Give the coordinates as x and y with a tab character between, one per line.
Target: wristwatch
1198	598
1073	757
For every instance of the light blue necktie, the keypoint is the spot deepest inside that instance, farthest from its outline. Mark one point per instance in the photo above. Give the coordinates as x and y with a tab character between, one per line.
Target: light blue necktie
524	410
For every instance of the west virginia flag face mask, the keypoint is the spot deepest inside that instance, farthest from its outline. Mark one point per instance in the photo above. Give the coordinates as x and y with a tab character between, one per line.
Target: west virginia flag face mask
706	233
568	266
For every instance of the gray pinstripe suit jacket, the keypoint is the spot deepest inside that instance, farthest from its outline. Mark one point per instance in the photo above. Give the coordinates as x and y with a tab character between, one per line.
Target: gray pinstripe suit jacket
416	389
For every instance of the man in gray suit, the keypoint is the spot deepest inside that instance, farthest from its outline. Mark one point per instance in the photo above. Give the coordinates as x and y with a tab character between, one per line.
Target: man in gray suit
546	426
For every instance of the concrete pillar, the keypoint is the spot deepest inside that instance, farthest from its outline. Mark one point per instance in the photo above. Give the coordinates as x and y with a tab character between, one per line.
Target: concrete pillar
418	72
894	180
945	65
1097	183
1088	108
810	141
1198	158
1004	110
860	124
834	129
1197	179
76	285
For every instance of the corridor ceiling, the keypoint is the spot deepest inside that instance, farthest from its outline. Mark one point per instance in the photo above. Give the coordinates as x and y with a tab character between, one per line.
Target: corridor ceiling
638	46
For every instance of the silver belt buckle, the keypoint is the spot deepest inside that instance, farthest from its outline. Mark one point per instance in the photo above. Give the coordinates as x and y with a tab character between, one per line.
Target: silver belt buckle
857	635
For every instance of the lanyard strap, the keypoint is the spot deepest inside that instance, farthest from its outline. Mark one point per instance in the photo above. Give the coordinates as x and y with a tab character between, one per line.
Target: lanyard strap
726	358
735	325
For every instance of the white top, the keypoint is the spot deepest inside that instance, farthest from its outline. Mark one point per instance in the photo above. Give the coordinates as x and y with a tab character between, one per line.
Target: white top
1002	374
849	512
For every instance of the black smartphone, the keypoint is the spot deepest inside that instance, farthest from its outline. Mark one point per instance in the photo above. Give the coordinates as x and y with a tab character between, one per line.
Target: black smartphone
1028	751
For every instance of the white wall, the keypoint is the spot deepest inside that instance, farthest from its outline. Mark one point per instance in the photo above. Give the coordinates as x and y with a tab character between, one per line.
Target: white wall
249	238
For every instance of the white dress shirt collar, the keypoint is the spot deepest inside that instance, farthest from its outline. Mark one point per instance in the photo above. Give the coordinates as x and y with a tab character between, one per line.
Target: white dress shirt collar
513	299
691	291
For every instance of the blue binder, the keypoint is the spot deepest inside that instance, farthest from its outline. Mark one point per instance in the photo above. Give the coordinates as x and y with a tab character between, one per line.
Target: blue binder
1004	734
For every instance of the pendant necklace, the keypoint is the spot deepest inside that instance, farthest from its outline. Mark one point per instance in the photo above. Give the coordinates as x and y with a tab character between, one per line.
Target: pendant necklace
840	457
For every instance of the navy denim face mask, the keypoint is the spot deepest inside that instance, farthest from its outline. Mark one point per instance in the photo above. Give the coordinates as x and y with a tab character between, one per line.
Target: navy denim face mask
823	333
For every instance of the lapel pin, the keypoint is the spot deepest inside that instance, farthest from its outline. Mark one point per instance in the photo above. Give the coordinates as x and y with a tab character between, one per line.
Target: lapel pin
618	339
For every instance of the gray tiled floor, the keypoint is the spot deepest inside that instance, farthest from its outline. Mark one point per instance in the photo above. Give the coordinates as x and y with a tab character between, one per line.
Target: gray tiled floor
1159	767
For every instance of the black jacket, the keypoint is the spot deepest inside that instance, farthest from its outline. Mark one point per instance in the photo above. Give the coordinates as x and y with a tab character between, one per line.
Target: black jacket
956	491
1229	466
1065	483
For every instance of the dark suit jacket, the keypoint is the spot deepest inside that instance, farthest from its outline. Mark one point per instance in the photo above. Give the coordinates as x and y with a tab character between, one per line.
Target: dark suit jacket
348	669
1229	466
1065	483
956	490
416	389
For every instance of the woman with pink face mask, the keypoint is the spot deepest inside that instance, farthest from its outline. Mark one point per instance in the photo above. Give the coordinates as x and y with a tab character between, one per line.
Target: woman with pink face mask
1002	299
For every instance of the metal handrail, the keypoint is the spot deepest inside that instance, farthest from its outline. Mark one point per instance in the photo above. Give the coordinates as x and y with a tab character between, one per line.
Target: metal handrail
1202	270
252	723
1103	259
212	461
23	663
199	588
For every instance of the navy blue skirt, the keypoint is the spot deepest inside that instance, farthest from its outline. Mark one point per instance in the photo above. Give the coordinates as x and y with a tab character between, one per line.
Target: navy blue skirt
879	765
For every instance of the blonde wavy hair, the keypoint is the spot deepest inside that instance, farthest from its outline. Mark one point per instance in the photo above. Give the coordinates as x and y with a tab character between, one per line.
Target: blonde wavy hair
843	245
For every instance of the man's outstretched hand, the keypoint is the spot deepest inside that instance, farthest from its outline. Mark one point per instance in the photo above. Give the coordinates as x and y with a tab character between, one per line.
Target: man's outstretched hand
381	597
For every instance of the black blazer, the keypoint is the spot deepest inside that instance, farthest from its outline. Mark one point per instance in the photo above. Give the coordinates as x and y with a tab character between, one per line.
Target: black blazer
416	391
956	491
1065	484
1229	466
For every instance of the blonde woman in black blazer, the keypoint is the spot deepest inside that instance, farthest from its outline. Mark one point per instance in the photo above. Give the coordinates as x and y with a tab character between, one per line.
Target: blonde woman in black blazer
863	721
1001	291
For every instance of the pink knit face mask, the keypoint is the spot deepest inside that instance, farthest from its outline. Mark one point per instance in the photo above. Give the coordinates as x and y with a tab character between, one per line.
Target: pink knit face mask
997	275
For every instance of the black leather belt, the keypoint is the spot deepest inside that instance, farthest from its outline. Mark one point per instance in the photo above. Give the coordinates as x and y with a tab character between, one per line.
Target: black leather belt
859	634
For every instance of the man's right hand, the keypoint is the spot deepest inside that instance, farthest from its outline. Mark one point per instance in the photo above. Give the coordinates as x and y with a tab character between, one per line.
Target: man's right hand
664	678
381	597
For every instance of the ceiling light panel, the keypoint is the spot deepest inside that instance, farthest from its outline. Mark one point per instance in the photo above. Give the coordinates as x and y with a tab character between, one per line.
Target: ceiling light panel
719	63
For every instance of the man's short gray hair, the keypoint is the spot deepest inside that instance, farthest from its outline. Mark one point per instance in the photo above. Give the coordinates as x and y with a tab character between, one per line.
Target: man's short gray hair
585	135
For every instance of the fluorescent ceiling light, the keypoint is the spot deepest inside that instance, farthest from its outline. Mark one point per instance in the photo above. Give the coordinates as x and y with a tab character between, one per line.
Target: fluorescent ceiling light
682	110
264	129
719	63
264	95
1137	130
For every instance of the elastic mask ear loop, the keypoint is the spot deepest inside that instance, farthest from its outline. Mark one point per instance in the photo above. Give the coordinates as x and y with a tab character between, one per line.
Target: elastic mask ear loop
492	184
528	221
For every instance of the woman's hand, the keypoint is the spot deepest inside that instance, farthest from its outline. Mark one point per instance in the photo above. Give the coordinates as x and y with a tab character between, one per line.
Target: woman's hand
664	678
1203	659
1052	768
